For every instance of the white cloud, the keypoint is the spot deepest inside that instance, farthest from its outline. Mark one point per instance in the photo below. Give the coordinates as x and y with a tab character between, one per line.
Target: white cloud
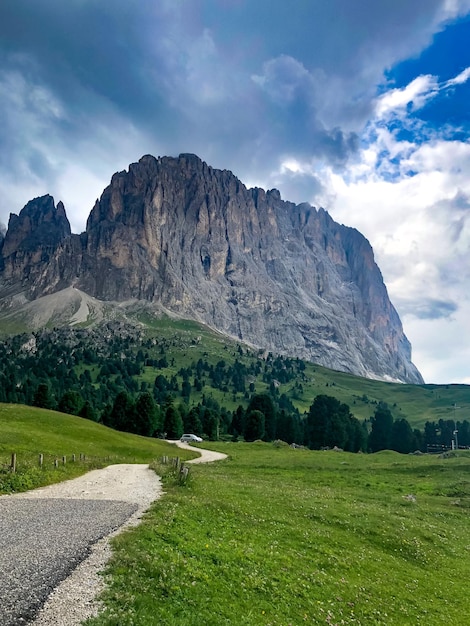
439	346
396	102
411	199
460	79
284	79
416	94
453	8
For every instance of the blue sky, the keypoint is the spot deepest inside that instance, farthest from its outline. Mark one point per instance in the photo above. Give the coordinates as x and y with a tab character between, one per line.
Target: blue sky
360	107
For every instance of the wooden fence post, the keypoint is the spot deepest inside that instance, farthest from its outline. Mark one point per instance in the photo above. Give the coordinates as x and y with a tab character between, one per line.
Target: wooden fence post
184	472
13	462
73	458
64	460
56	463
41	460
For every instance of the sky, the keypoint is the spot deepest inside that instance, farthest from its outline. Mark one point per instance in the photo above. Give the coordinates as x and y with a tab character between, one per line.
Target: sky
361	107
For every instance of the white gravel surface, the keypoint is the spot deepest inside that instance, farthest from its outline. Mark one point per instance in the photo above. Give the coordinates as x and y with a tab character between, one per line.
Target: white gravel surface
207	456
75	598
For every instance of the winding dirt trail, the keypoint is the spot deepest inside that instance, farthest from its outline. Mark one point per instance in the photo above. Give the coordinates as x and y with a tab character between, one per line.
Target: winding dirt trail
207	456
131	489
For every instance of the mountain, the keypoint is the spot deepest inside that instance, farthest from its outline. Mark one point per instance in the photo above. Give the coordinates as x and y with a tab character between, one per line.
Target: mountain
186	239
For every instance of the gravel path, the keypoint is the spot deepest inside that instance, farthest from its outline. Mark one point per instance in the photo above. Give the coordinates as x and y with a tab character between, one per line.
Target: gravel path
46	533
42	541
207	456
61	533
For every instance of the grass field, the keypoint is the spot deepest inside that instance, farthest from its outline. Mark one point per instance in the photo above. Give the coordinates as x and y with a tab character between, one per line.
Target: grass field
272	535
277	536
29	431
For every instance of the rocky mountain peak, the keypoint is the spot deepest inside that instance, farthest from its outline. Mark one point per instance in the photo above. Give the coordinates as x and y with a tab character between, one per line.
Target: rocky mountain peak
40	223
194	241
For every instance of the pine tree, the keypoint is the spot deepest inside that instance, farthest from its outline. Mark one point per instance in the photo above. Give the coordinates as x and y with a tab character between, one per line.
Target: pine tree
88	412
402	438
264	403
173	424
210	423
288	427
42	397
71	402
145	415
192	424
254	426
122	414
330	423
380	437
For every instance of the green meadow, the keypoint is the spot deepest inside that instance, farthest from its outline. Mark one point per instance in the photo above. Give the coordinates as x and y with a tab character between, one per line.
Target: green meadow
29	432
272	535
279	536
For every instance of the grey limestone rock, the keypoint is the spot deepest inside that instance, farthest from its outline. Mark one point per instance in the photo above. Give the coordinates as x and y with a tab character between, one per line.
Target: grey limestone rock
196	241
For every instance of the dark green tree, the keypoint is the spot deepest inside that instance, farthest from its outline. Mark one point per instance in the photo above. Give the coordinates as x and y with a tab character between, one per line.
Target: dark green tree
417	440
380	437
430	436
330	423
237	427
402	438
264	403
172	424
254	425
357	436
87	411
160	389
122	413
327	423
288	427
71	402
105	417
192	423
42	397
145	415
210	423
464	433
186	390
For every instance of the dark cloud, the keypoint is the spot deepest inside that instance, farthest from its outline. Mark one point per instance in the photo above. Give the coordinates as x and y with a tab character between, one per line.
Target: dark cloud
331	35
243	84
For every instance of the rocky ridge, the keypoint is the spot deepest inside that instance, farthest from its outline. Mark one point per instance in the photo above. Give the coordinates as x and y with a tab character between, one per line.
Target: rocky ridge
193	241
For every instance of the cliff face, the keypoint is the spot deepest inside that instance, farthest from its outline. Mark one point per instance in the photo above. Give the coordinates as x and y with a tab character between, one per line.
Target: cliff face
195	240
38	252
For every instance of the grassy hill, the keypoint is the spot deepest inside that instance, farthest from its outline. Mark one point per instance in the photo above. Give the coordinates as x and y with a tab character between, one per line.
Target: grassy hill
144	347
29	431
186	342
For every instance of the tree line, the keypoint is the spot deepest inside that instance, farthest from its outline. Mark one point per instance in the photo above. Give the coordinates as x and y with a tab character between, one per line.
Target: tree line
329	423
96	375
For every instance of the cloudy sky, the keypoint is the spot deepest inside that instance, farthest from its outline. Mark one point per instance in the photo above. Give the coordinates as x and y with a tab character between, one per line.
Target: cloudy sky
360	106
